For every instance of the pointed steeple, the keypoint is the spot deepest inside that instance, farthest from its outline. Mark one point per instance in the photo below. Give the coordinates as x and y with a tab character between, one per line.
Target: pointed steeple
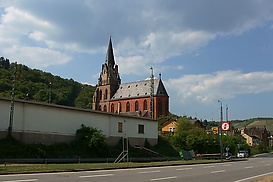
110	61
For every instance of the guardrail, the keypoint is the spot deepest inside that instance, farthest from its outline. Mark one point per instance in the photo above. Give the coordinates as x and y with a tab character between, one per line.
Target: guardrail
81	160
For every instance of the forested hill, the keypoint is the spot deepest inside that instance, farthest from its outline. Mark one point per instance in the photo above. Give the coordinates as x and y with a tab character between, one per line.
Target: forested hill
36	85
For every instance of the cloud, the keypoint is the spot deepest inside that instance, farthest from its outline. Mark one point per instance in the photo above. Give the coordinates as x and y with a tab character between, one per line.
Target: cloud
35	56
153	31
17	29
208	88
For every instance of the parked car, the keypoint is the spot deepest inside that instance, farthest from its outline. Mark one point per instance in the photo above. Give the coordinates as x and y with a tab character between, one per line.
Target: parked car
243	154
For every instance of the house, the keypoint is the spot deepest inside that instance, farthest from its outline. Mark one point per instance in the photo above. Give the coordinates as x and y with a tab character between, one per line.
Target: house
255	135
171	125
146	98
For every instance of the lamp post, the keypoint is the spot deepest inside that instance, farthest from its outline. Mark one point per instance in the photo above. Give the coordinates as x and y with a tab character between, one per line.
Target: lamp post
152	93
12	102
50	92
220	129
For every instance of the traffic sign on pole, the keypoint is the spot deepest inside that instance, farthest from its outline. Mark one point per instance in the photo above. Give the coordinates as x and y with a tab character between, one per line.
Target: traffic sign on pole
225	126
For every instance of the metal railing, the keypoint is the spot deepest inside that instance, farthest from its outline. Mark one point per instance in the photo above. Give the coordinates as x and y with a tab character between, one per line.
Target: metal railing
81	160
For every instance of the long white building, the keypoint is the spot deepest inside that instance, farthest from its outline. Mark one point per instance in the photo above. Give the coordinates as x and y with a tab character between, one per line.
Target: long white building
48	123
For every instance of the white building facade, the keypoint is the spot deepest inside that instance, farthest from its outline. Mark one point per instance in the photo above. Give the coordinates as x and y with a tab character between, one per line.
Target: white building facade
48	123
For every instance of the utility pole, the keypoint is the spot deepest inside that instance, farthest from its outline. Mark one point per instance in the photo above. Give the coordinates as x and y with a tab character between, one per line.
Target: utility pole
220	128
12	102
152	93
226	113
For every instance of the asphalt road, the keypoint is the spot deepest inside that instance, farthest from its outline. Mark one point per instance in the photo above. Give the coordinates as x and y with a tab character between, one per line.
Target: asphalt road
249	170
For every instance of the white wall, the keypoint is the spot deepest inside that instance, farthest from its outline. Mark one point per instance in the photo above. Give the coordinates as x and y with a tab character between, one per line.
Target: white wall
30	117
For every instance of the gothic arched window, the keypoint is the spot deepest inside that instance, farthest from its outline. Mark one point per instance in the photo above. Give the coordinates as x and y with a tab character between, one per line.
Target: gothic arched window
105	108
136	106
159	108
145	105
120	107
106	94
112	108
100	95
128	107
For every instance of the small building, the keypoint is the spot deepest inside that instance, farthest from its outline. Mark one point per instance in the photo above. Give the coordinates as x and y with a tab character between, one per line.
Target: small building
170	126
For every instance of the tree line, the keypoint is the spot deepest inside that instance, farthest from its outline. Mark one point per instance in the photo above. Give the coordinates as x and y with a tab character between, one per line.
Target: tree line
40	86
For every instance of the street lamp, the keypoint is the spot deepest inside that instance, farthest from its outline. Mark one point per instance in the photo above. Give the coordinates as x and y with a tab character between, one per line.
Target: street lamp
220	129
50	92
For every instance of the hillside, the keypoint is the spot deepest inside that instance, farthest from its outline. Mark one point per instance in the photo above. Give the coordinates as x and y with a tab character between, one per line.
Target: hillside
254	122
36	85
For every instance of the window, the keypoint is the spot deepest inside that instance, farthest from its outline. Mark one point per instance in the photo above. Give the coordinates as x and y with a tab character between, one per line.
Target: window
120	107
145	105
128	107
105	108
106	94
99	108
136	106
112	108
100	95
159	108
172	129
120	127
141	128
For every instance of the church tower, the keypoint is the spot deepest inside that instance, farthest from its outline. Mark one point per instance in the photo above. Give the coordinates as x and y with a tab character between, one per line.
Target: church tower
108	82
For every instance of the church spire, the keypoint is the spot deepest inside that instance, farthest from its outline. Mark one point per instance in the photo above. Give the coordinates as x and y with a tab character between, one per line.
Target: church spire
110	61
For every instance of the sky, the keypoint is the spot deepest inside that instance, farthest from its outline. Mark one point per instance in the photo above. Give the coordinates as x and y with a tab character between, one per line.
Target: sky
206	51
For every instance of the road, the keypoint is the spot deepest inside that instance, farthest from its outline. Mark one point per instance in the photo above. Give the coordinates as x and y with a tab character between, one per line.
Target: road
249	170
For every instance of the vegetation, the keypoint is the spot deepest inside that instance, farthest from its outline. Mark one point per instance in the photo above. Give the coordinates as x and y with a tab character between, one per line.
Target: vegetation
36	85
189	137
90	142
90	166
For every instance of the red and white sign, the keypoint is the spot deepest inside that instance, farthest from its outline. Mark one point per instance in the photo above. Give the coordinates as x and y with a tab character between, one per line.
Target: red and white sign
225	126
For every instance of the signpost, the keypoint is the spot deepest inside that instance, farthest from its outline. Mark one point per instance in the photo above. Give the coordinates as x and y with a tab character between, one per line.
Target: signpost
214	130
225	126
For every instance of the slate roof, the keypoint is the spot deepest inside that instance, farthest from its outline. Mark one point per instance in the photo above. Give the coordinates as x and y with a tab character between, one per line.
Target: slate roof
110	60
139	89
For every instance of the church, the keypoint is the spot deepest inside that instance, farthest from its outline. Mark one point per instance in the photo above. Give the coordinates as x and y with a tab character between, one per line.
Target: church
146	98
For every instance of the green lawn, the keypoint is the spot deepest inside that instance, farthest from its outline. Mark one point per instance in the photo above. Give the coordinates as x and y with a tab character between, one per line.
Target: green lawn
35	168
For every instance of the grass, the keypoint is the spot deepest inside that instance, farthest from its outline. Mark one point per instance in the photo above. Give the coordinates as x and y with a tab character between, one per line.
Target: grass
38	168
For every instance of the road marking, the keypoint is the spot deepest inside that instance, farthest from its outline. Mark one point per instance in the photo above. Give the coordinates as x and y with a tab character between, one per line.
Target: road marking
227	165
248	167
21	180
209	166
245	179
218	171
182	169
96	175
144	172
158	179
267	165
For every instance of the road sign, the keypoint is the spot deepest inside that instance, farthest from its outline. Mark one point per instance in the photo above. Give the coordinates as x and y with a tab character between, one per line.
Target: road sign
225	126
214	130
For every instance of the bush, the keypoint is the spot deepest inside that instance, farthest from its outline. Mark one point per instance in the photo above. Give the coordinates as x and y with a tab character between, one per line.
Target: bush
92	141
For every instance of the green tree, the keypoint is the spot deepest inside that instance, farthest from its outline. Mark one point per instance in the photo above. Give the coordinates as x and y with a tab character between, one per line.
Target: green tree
91	140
